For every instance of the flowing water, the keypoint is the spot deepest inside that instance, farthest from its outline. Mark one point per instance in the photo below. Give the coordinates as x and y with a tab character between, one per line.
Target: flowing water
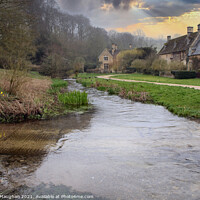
119	150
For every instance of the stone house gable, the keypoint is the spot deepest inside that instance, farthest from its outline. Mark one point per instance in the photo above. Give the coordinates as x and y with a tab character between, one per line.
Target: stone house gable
107	58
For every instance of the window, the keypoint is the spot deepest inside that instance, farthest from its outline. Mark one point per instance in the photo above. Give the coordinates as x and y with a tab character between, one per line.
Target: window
105	57
106	67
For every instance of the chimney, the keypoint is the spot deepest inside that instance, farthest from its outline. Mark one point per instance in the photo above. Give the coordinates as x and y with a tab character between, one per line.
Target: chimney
130	46
169	38
113	48
199	28
189	30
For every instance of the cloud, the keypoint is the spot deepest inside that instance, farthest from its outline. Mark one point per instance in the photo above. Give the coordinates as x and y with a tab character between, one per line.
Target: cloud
165	25
168	8
82	5
104	13
122	4
155	8
191	1
113	14
79	6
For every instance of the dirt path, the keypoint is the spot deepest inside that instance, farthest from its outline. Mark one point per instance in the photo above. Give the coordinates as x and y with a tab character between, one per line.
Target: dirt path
108	77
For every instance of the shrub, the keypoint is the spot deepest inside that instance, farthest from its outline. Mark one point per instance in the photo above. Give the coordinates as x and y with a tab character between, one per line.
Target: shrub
89	66
55	66
148	52
126	57
175	65
139	64
184	74
74	98
130	70
78	64
159	65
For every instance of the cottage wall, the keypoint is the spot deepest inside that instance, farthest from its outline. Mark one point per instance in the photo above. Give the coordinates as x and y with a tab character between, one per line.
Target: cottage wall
104	62
179	57
166	57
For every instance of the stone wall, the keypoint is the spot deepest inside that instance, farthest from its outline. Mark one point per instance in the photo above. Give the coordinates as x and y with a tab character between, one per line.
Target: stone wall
103	62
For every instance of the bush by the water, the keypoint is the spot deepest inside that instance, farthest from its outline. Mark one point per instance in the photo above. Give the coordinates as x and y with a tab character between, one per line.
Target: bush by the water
74	98
184	74
57	84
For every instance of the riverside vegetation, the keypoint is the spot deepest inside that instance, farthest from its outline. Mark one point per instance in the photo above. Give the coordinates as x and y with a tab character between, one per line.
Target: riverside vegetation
74	99
38	97
180	101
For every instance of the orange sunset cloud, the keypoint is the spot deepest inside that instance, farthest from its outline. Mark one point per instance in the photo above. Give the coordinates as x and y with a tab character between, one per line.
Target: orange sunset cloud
167	25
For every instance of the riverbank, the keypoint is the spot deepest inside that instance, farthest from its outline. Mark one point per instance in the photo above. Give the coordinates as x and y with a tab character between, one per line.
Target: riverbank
181	101
36	98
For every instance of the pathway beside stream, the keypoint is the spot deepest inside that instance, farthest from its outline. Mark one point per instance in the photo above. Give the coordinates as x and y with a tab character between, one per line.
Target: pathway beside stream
109	77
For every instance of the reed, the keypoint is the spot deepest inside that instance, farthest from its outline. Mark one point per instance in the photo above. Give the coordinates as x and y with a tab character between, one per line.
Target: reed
57	85
74	98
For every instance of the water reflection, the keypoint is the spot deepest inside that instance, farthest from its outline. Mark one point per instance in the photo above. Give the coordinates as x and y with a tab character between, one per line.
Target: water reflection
23	147
128	151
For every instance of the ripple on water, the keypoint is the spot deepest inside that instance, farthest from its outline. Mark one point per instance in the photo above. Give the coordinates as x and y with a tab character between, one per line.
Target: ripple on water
123	150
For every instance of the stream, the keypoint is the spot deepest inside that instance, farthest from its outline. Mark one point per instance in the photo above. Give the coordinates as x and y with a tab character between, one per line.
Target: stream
119	150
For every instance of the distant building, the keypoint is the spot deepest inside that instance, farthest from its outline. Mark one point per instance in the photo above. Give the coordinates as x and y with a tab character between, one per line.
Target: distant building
107	58
183	48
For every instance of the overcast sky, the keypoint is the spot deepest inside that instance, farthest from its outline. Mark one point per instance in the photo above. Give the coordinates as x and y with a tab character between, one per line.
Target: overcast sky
154	17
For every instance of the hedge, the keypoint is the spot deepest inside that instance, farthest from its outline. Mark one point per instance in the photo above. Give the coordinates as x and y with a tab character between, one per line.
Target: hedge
184	74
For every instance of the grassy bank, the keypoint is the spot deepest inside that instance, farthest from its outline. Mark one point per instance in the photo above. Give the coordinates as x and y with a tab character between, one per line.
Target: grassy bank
158	79
180	101
36	98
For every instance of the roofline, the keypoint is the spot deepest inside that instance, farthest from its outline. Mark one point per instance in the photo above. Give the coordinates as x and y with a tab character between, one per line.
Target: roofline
181	36
175	40
108	52
103	51
170	52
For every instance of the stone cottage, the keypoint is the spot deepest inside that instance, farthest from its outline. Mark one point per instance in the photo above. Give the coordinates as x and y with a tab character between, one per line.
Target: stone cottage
183	48
107	58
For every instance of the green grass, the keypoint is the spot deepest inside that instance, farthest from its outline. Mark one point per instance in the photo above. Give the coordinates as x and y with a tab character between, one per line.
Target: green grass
57	84
74	98
150	78
180	101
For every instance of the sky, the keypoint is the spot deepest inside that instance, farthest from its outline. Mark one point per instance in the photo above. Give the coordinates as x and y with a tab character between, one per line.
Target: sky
156	18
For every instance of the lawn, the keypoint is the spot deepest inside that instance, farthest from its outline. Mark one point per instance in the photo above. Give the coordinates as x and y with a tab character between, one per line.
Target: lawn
180	101
150	78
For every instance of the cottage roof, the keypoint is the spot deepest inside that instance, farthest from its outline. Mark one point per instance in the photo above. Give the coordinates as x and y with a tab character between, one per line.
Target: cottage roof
197	51
179	44
110	51
104	52
115	52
